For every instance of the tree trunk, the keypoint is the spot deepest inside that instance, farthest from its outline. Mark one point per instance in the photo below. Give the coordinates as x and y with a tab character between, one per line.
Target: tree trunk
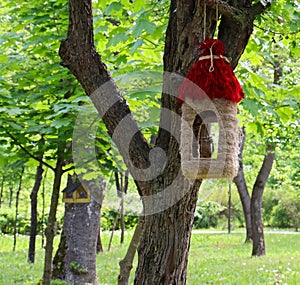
229	209
81	219
113	230
256	203
17	208
165	242
259	186
51	226
241	185
59	264
122	186
34	220
127	261
124	191
2	188
99	242
43	210
163	251
11	193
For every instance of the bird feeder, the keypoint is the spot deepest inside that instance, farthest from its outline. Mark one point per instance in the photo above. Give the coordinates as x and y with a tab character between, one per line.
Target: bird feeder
76	193
209	95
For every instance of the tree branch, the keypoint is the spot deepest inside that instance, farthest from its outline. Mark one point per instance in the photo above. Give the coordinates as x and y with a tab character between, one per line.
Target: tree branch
226	9
258	9
78	53
39	159
265	169
126	263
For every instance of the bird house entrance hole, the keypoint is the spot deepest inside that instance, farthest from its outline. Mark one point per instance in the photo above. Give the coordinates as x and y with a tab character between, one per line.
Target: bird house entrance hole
209	139
205	135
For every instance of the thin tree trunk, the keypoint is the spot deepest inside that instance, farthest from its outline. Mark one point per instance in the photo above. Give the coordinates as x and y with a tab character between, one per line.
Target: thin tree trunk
43	210
229	208
17	208
256	203
11	192
127	261
2	188
51	227
120	185
258	248
124	191
122	218
34	219
99	242
113	230
241	185
59	264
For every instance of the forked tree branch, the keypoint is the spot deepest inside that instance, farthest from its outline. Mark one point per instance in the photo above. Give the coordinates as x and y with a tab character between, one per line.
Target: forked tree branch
78	54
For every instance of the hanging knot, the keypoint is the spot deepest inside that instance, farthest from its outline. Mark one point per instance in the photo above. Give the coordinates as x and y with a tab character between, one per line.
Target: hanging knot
211	68
212	57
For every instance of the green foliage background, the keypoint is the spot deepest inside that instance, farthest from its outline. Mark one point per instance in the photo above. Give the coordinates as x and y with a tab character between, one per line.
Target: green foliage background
40	99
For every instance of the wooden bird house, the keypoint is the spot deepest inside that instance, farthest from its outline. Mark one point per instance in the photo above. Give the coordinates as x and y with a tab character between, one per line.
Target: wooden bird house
76	193
209	123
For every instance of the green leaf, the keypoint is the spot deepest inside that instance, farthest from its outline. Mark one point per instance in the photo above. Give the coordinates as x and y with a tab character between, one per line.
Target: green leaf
114	6
143	25
136	45
250	105
120	37
60	123
285	113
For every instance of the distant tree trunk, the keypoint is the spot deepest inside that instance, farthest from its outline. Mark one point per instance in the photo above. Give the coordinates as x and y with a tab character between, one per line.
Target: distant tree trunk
2	188
99	242
59	265
43	210
229	208
241	185
11	193
256	203
122	186
113	230
34	219
17	208
51	227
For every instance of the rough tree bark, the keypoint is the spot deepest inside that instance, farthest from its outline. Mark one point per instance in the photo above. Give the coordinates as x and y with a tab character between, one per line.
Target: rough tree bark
241	185
258	248
75	259
33	219
163	251
81	247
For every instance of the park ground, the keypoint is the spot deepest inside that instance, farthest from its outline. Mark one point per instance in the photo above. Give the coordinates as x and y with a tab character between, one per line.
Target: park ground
215	258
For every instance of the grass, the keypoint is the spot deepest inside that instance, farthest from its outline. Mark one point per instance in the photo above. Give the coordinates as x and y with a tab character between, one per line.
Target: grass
215	258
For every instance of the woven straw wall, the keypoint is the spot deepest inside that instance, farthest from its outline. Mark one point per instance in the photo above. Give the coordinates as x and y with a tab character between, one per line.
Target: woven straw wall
226	163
